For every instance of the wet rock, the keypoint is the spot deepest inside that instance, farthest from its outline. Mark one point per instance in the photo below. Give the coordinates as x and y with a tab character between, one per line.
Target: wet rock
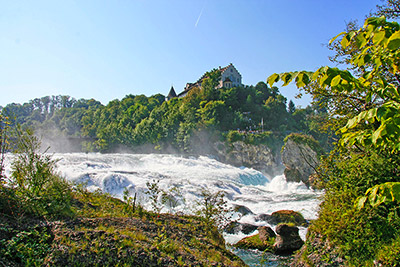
287	239
283	216
255	242
263	217
242	209
237	227
265	233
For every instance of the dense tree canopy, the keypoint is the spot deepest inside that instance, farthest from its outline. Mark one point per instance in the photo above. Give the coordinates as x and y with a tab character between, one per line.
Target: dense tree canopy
137	120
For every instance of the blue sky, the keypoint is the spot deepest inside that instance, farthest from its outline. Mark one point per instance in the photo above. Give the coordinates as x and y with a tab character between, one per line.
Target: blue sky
108	49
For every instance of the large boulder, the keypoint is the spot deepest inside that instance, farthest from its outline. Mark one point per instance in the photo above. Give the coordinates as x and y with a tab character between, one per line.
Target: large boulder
300	156
262	241
284	216
287	239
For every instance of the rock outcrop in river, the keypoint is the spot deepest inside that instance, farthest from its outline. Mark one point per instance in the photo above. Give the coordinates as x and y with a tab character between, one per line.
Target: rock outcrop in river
300	156
259	157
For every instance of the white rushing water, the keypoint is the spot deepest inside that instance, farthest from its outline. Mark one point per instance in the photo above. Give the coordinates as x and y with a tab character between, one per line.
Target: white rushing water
113	173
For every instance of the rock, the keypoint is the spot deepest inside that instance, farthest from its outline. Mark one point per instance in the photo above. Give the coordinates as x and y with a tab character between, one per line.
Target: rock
287	239
248	228
236	227
242	209
300	155
288	216
265	233
259	157
263	217
255	242
283	216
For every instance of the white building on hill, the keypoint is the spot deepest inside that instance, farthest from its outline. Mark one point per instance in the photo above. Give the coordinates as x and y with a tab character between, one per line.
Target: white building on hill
230	77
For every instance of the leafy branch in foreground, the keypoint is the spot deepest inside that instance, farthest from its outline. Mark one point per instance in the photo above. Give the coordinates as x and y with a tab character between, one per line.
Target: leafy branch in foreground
379	194
372	98
359	214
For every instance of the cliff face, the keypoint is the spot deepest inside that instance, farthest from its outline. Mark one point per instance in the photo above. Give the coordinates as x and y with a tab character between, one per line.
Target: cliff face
259	157
300	156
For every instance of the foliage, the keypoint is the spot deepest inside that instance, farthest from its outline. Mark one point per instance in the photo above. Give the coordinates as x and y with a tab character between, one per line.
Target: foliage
374	120
4	145
213	208
379	194
307	140
34	177
150	124
362	104
28	247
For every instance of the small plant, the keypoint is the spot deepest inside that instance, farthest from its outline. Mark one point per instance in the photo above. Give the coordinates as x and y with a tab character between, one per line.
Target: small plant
154	192
172	197
130	202
214	208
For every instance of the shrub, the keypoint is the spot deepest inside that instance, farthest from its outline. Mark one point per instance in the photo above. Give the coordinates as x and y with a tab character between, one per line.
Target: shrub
36	182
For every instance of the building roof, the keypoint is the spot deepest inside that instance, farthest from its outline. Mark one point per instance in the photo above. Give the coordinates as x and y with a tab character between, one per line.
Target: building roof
172	93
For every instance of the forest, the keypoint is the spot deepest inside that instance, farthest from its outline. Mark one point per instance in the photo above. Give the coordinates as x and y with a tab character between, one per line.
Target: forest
151	124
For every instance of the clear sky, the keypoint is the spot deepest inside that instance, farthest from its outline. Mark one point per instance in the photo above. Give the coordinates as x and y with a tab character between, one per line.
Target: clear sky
108	49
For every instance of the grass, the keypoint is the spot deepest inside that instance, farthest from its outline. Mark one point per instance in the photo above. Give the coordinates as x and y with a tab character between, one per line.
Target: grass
102	233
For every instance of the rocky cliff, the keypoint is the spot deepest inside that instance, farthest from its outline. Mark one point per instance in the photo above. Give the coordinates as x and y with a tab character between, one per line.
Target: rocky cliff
259	157
300	156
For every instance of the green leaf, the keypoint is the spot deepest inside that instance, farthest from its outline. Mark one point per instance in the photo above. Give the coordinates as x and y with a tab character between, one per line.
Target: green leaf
334	38
361	202
394	41
379	133
378	37
286	78
351	123
395	191
371	115
361	40
380	113
273	79
345	41
299	80
335	81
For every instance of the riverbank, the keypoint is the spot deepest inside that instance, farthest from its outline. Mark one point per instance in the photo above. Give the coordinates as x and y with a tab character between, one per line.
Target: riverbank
105	231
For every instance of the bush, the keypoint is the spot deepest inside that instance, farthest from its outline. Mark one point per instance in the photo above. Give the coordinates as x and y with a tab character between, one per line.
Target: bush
359	234
37	184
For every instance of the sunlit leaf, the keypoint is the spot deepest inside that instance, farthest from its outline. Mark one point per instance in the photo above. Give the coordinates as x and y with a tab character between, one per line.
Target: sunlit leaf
334	38
273	79
335	81
378	37
394	41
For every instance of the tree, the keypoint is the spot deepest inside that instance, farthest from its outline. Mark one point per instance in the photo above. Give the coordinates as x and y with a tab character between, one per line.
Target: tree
291	107
363	103
368	103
